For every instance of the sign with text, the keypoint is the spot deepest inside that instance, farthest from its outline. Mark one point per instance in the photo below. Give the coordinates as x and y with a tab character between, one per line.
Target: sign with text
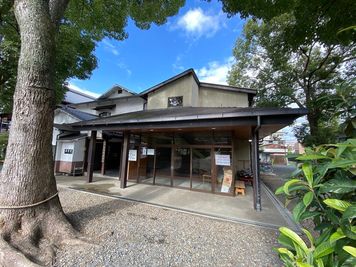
150	152
227	182
132	155
222	160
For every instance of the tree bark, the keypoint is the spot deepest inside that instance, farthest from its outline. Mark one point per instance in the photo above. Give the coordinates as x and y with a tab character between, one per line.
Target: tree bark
27	175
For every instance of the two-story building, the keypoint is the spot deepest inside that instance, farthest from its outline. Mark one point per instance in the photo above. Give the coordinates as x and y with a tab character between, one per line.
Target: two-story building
188	134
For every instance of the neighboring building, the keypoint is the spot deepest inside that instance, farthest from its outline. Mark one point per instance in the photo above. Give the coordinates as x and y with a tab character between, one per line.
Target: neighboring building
275	154
5	122
69	148
274	150
117	100
186	134
73	96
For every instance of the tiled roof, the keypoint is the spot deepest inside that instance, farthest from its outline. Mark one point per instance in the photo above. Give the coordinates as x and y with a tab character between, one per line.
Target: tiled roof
83	116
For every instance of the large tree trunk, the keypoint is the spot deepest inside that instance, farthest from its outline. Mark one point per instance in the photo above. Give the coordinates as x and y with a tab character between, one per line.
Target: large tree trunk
27	175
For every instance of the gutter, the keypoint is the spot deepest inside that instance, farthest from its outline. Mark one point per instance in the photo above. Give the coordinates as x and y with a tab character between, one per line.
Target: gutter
258	123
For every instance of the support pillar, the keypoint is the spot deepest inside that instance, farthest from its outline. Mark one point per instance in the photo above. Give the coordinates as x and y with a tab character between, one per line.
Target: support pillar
91	156
256	171
103	157
124	158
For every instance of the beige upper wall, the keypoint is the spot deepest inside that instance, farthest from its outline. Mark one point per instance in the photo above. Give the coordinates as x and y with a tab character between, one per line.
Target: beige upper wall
185	86
193	96
209	97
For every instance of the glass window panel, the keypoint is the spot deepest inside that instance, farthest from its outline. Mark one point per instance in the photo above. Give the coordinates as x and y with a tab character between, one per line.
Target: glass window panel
163	165
201	169
146	165
224	177
182	167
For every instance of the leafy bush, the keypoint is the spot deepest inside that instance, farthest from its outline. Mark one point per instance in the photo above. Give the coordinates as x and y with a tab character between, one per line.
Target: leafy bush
324	186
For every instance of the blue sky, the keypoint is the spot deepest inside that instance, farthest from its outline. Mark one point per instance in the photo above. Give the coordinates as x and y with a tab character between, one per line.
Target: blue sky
200	36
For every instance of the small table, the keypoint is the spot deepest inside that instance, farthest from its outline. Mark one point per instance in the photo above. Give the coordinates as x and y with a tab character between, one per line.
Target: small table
240	187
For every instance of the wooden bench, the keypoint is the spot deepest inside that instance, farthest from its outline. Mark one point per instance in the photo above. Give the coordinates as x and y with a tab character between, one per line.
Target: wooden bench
240	187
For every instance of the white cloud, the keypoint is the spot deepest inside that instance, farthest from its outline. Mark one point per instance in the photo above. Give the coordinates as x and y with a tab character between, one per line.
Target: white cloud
110	47
124	67
177	65
215	72
196	23
80	90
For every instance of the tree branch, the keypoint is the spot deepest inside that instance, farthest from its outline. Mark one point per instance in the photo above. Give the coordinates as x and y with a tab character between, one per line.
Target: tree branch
296	100
56	9
322	62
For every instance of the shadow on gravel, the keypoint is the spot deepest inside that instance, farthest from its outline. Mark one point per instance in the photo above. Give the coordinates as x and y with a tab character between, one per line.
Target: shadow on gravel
82	217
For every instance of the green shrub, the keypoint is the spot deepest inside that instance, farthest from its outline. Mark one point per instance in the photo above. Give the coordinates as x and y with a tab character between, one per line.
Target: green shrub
324	186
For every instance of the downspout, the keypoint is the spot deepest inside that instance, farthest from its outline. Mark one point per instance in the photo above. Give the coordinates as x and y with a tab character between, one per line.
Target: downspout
256	167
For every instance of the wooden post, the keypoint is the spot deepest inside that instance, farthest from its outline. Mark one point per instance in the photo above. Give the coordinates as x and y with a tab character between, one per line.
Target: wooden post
91	156
124	155
256	171
103	157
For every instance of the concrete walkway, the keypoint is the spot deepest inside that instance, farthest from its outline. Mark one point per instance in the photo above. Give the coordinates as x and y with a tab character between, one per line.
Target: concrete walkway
238	209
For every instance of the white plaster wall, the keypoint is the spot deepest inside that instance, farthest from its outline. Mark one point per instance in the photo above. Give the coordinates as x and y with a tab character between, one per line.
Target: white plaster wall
79	150
62	117
241	150
124	105
89	109
123	94
210	97
184	86
61	146
128	105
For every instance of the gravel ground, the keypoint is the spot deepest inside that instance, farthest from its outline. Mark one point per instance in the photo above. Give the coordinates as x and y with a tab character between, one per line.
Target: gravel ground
135	234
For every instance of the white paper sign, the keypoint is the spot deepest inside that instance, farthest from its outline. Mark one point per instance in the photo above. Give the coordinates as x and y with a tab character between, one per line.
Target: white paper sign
132	155
144	151
150	152
222	160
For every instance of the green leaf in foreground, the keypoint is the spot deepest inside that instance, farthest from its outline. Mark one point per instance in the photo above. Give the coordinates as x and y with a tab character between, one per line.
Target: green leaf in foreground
337	204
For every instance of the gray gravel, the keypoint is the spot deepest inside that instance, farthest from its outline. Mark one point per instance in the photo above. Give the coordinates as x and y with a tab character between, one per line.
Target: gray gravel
135	234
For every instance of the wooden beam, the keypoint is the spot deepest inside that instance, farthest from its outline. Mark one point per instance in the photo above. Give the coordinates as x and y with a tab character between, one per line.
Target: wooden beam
91	156
124	160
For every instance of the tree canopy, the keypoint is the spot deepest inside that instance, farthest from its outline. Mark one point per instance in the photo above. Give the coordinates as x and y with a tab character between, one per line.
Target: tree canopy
298	77
33	222
321	20
82	25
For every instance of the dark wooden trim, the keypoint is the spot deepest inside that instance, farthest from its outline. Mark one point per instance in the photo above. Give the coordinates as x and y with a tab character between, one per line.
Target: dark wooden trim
233	167
103	157
173	150
91	156
191	168
256	171
154	166
124	160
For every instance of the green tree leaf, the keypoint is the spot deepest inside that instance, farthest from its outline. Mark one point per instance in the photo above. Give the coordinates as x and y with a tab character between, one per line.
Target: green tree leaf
351	250
323	249
308	198
303	264
337	235
308	172
337	204
298	210
289	183
295	238
312	157
340	185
